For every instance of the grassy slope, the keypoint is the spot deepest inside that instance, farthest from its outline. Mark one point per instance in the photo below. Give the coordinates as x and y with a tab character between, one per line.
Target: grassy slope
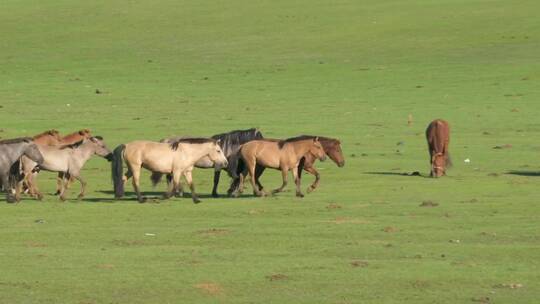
347	69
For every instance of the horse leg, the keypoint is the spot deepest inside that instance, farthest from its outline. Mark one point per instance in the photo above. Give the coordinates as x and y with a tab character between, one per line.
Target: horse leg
315	184
63	187
258	172
251	169
171	187
5	183
59	181
83	184
189	180
217	173
136	173
284	173
297	181
32	185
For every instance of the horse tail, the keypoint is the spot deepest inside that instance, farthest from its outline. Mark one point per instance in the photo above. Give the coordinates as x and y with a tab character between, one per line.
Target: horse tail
118	171
301	166
156	178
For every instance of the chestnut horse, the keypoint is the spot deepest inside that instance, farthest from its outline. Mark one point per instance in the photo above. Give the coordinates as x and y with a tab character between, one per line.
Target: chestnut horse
177	159
332	148
438	138
283	155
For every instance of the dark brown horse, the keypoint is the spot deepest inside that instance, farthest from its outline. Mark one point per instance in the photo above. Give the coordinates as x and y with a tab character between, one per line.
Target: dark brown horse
438	138
332	148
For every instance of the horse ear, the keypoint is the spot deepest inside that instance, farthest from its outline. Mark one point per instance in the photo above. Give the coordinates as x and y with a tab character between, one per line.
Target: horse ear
218	141
316	138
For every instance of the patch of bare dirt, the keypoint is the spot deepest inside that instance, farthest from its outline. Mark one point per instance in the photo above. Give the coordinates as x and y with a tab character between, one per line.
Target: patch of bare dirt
213	231
509	286
277	277
390	229
505	146
212	289
346	220
485	300
36	244
105	266
429	204
359	263
256	211
333	206
128	243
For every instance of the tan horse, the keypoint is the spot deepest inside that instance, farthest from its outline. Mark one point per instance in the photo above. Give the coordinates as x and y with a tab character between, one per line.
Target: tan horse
177	159
283	155
68	160
53	138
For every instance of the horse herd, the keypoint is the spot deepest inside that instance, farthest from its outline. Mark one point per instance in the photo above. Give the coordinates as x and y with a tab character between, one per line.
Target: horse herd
241	153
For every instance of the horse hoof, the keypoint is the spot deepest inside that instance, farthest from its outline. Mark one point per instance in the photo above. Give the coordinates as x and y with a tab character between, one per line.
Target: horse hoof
62	198
310	189
80	197
299	194
11	199
196	200
142	199
57	193
39	197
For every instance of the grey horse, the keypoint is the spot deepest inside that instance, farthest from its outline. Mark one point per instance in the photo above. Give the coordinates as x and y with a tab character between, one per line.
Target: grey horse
11	151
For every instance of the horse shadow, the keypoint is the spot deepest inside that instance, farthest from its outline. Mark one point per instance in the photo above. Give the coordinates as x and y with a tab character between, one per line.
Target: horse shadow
158	195
524	173
404	174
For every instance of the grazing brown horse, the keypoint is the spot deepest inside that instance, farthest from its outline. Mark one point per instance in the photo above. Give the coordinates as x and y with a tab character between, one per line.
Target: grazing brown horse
332	148
438	138
283	155
176	158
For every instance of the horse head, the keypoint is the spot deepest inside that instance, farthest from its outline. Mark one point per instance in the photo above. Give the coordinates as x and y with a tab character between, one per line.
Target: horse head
333	150
100	148
317	149
438	165
217	156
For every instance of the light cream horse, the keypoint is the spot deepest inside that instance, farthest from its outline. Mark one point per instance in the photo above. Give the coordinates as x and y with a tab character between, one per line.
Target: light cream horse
176	158
283	155
68	160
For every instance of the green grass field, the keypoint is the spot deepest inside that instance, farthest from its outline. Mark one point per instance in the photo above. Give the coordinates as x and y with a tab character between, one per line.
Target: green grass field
354	70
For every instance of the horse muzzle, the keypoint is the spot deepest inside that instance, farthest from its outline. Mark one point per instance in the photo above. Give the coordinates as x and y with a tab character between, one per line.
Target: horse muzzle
109	157
341	164
322	158
36	169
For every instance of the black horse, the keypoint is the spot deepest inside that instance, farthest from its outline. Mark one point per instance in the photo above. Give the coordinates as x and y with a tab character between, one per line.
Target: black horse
11	151
230	144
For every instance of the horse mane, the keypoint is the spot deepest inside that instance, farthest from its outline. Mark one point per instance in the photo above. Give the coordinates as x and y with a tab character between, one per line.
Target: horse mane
190	140
72	146
16	140
230	141
282	143
98	137
51	132
80	132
